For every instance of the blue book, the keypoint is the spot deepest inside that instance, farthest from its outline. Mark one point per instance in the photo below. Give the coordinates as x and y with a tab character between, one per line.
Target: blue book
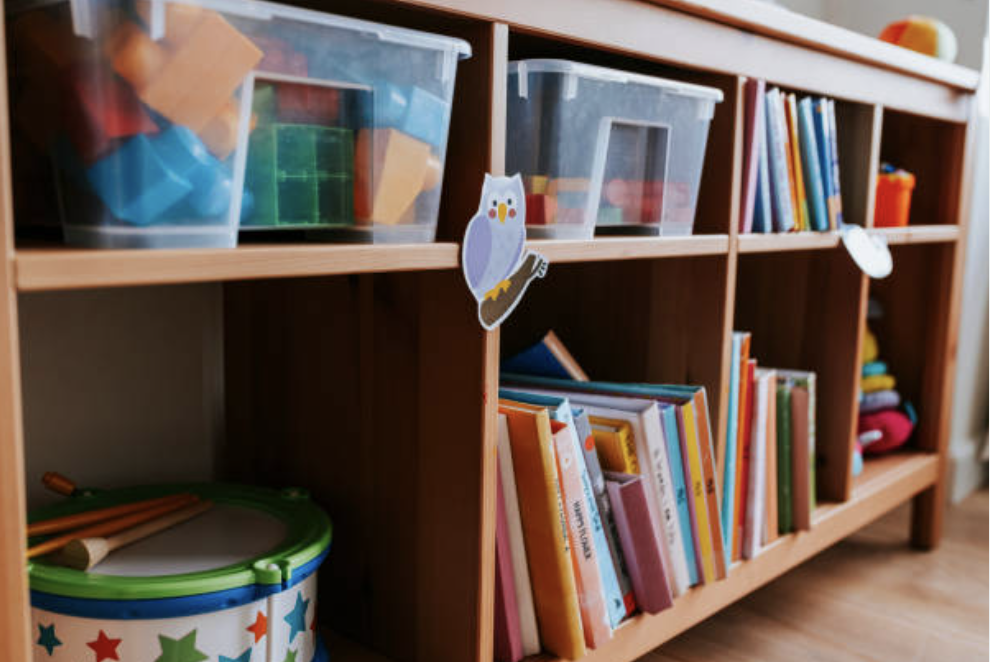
780	187
560	409
820	117
833	138
548	358
729	462
763	211
812	167
672	433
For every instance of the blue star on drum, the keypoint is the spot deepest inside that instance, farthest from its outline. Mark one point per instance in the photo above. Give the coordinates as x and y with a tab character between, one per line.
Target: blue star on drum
297	617
47	638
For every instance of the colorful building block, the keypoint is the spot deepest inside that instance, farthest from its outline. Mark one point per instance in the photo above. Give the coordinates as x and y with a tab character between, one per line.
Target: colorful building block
220	133
387	186
412	110
307	102
434	173
280	57
184	153
98	109
301	175
540	209
192	76
135	184
570	184
180	18
536	183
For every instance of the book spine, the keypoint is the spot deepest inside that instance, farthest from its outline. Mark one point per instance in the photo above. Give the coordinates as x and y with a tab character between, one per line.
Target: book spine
825	158
698	431
757	468
508	636
784	497
699	497
729	461
795	142
783	212
628	447
594	617
520	566
800	472
594	484
834	153
812	438
812	171
754	97
772	518
685	517
660	469
548	550
747	368
788	161
763	216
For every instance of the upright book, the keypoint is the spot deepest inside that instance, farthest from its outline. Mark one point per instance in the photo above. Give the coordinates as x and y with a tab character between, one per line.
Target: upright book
800	473
747	368
772	523
756	511
508	637
812	167
728	463
785	503
790	109
779	177
754	91
548	549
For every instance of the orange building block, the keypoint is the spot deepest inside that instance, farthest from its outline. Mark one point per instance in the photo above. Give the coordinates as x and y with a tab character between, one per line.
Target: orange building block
434	173
220	133
191	79
180	19
400	167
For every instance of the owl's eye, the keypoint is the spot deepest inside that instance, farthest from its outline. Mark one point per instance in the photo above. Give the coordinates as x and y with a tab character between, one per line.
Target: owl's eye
509	201
494	203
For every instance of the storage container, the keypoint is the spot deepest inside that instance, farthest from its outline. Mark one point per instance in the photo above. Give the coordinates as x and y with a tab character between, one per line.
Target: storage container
152	111
606	148
237	582
893	204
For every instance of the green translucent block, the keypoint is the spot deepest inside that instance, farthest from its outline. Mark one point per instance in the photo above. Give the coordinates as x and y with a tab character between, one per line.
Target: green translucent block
301	176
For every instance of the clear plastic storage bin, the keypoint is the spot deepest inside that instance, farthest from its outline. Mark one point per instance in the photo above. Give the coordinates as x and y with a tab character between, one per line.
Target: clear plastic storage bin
604	148
171	124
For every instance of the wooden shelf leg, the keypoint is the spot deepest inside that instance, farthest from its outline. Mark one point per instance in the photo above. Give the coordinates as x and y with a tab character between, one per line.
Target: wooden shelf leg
927	510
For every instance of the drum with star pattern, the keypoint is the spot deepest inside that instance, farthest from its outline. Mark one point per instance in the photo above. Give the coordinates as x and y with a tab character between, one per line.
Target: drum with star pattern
235	584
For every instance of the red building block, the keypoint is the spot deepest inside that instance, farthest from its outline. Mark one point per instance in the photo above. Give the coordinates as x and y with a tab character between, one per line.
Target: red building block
307	103
280	57
541	209
99	109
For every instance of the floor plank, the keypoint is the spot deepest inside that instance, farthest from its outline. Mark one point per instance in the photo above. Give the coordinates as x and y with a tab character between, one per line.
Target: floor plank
870	598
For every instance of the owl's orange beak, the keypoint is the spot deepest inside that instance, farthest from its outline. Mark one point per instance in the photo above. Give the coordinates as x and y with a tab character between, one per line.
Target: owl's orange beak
502	210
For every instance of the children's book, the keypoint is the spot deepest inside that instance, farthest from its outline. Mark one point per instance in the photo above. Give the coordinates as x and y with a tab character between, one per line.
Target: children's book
746	368
800	471
583	428
754	113
681	482
780	186
549	358
756	501
520	566
763	212
833	137
615	444
808	380
772	521
728	463
795	143
545	530
587	574
812	168
825	157
785	498
508	637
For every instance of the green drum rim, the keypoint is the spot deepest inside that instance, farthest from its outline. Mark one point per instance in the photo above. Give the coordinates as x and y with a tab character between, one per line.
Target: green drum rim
308	535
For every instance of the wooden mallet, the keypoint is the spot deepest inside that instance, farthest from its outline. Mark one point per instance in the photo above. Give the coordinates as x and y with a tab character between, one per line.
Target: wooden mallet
78	520
84	553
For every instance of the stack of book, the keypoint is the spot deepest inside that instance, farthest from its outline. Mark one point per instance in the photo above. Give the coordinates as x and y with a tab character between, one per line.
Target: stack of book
768	472
791	163
608	493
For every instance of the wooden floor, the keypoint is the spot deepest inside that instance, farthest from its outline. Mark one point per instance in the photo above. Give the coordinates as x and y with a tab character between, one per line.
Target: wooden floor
869	598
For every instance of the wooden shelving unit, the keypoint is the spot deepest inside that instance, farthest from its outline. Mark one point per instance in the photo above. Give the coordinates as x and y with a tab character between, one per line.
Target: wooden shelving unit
361	373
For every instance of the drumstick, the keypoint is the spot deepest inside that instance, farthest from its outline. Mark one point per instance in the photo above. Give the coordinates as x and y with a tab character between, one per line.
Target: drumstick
111	526
69	522
58	483
84	553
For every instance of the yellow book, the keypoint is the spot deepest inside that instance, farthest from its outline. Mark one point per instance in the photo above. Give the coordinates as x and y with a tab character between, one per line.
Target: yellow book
615	444
545	530
698	493
792	130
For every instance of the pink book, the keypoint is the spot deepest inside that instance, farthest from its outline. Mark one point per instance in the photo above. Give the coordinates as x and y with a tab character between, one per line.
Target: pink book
591	592
508	637
751	152
639	542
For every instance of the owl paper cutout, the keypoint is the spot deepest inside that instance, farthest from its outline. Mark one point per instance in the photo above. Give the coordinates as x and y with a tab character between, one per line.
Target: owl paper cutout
497	266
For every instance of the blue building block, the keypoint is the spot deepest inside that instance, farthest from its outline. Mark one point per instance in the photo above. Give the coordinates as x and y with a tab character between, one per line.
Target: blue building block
185	154
412	110
135	184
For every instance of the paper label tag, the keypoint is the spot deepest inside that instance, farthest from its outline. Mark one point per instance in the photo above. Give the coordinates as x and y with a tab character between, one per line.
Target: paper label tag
496	264
870	253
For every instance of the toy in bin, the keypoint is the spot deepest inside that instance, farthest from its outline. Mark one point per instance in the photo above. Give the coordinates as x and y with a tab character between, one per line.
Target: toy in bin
150	111
191	572
893	205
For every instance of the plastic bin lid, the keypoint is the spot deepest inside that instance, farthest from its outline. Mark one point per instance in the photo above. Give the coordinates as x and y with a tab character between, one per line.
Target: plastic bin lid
253	536
613	76
264	11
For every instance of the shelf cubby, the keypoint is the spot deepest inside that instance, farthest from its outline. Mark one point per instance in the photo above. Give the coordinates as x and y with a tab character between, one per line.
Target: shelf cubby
803	310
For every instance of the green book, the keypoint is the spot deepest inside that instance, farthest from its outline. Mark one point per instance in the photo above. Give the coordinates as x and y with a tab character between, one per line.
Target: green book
785	505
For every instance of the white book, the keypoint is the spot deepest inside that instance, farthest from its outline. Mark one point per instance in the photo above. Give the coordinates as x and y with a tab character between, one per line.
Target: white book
643	416
520	567
756	497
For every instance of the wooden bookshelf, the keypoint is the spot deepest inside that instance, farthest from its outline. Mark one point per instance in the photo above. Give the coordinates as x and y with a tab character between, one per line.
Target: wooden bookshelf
367	364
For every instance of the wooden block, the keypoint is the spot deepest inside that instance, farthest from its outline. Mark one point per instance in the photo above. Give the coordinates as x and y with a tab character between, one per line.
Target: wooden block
400	166
180	19
568	184
307	104
540	209
190	80
536	183
434	173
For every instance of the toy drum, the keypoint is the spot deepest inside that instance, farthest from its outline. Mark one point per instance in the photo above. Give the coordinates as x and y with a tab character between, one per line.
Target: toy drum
235	584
